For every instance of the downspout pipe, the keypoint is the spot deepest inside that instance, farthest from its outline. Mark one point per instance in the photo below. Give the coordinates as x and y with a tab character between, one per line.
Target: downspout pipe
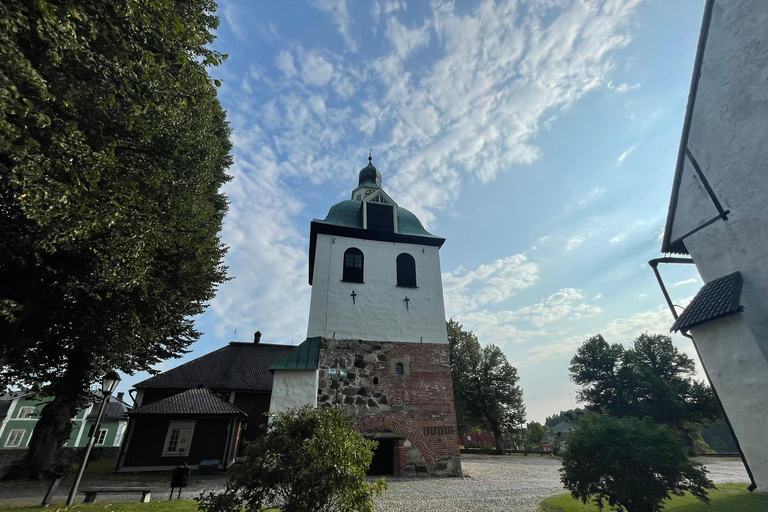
654	263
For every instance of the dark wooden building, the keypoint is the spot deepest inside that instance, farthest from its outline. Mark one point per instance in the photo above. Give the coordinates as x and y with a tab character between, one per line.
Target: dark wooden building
205	409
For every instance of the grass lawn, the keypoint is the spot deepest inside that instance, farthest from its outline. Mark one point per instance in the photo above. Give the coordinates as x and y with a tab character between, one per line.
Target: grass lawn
727	498
160	506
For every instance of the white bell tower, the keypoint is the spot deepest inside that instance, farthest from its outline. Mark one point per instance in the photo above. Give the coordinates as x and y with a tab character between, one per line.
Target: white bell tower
375	271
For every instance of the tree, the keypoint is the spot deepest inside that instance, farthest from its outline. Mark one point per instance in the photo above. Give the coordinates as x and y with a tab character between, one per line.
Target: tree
113	148
535	431
485	385
652	378
629	464
569	415
309	460
465	351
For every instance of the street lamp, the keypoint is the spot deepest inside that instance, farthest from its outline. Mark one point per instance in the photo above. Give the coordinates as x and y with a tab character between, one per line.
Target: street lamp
336	376
108	386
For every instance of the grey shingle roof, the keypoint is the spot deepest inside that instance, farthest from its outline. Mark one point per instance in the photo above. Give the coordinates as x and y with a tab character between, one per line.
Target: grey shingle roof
238	366
192	402
304	357
115	409
716	299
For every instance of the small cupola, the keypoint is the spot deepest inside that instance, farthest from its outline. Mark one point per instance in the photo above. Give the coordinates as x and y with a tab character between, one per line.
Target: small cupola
368	182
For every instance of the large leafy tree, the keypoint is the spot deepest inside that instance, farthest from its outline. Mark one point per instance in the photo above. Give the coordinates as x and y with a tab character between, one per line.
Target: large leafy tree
485	385
113	149
309	460
629	464
651	378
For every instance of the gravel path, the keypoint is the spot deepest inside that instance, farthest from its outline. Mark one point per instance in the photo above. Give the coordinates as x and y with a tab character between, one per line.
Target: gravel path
510	484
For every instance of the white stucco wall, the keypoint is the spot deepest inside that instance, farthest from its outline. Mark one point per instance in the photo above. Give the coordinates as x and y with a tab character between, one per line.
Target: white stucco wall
293	388
729	139
379	312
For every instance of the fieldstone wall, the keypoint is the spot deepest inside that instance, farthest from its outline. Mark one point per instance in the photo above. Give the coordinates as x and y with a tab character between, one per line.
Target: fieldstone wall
396	390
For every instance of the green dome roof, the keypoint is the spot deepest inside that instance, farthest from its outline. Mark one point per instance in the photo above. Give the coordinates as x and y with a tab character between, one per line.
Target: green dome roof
369	177
349	214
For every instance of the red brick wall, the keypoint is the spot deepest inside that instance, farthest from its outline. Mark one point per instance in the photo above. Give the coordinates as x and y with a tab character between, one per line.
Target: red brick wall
417	405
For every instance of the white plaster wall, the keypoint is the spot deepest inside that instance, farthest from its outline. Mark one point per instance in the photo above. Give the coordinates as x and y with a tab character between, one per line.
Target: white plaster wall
739	372
293	388
379	312
729	139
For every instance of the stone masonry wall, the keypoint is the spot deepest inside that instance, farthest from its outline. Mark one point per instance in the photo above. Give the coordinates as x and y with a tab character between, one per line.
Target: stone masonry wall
415	405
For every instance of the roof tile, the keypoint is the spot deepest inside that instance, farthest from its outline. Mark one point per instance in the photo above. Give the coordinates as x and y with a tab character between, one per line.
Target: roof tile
197	402
716	299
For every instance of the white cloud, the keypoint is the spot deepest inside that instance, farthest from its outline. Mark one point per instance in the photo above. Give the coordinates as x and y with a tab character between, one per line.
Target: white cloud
232	14
544	238
406	40
593	194
338	11
598	296
576	240
564	304
622	88
626	153
466	290
315	70
285	64
687	281
641	295
618	238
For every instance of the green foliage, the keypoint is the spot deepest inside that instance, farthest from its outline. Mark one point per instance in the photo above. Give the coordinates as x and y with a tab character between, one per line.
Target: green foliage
652	378
629	464
718	437
113	148
569	415
534	433
309	460
484	385
726	498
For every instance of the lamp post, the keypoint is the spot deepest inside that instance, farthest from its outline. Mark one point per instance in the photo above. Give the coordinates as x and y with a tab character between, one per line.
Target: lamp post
108	385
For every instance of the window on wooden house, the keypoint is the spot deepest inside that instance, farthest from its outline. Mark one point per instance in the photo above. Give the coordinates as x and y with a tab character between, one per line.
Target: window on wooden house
406	271
178	439
26	412
353	265
14	438
102	437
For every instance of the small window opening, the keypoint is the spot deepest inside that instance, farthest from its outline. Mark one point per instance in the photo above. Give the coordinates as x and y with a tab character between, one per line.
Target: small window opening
406	270
399	368
375	381
353	265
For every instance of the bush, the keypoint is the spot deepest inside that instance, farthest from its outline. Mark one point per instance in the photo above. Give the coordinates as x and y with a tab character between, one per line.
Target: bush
629	464
309	460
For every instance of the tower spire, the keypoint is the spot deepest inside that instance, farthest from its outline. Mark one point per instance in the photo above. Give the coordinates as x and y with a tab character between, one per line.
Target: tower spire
370	157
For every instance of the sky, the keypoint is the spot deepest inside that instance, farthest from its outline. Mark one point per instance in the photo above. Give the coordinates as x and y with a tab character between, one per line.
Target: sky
539	138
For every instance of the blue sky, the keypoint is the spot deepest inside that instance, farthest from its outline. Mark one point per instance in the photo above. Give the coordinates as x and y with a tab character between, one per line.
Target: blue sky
539	138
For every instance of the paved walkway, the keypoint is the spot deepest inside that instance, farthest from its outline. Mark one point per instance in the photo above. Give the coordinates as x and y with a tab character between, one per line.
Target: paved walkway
510	484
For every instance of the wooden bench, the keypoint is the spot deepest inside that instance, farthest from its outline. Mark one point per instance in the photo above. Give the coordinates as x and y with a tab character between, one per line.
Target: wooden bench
90	494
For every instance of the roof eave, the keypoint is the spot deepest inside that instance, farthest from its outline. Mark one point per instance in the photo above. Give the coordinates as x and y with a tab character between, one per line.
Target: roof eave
667	246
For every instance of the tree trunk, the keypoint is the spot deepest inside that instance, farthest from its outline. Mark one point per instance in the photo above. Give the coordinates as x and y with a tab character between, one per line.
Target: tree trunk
51	433
499	440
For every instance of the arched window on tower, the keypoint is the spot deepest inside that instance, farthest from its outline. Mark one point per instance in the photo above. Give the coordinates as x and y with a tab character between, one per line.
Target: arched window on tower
406	270
399	369
353	265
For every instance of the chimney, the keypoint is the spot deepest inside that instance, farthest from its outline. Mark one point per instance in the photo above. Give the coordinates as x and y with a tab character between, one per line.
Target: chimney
120	395
257	337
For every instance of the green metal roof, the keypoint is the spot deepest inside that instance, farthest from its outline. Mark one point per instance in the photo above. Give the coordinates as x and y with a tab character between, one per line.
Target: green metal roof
304	357
349	213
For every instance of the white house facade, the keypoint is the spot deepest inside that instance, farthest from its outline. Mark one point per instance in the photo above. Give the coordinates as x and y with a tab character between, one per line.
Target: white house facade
718	215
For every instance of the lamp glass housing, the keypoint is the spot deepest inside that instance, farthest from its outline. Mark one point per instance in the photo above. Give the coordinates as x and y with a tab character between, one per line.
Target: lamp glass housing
109	383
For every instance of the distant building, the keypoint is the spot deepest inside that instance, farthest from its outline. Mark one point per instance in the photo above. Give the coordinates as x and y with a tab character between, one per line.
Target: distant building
718	214
556	437
20	412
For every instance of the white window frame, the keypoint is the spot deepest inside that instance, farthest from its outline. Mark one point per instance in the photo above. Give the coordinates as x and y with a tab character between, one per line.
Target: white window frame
26	413
178	425
10	436
101	438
